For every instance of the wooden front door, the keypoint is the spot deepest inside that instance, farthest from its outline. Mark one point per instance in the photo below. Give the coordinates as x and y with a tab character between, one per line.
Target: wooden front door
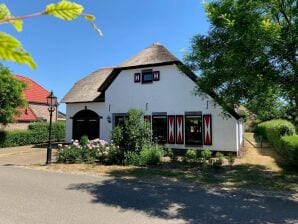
86	122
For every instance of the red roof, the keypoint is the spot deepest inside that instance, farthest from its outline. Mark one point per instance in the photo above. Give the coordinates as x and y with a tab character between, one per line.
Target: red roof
34	93
26	114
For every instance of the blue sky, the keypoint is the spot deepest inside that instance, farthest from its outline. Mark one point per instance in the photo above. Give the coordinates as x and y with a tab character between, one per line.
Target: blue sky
67	51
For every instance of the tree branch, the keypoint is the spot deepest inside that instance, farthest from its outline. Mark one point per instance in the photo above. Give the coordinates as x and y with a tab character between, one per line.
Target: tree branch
10	19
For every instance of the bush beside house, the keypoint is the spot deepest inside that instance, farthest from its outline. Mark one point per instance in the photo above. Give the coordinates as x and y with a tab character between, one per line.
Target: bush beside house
281	134
37	133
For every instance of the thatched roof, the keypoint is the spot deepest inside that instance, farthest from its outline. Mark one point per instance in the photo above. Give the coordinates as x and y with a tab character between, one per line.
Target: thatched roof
155	54
86	90
92	87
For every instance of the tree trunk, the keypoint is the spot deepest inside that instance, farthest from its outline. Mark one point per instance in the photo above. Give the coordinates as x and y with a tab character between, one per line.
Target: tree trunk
296	109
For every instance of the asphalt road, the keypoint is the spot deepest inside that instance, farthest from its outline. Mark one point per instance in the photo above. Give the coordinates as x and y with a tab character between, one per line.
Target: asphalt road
33	196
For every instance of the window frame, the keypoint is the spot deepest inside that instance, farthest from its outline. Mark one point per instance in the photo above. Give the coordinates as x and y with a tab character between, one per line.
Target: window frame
198	115
165	134
147	72
117	116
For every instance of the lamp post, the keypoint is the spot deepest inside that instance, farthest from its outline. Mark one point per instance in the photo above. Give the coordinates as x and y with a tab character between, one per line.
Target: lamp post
52	103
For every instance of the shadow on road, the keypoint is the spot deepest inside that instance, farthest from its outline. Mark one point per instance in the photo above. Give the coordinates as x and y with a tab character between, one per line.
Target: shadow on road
169	200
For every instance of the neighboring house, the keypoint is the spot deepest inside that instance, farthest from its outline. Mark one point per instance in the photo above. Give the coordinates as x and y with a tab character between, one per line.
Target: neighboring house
61	116
36	110
151	81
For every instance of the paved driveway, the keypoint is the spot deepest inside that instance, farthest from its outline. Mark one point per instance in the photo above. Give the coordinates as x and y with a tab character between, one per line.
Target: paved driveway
35	196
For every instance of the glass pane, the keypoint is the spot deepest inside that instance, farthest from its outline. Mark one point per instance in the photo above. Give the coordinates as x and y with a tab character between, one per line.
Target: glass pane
147	77
119	120
159	129
193	130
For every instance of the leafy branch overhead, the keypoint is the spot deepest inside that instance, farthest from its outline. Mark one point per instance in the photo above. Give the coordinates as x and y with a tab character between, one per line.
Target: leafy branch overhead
11	49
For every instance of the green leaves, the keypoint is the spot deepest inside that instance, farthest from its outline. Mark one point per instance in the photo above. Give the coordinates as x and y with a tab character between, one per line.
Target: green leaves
4	11
65	10
5	14
18	25
12	50
89	17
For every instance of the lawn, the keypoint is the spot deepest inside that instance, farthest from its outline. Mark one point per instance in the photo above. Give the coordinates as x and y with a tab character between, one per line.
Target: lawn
258	168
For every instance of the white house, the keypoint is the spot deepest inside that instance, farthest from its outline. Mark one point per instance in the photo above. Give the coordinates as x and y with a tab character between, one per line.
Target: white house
151	81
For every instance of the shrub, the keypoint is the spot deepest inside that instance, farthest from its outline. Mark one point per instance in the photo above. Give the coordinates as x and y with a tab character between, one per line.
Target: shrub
134	134
206	154
219	160
191	155
115	155
84	140
281	134
69	154
131	158
170	153
116	135
37	133
289	149
275	129
89	151
42	128
231	158
150	155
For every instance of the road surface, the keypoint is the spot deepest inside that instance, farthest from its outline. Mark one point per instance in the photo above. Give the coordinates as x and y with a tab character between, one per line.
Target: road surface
34	196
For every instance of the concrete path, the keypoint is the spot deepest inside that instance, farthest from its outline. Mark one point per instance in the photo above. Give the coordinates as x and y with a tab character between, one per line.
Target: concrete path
34	196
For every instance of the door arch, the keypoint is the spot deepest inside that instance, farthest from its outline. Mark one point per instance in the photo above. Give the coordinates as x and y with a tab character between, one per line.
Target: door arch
85	122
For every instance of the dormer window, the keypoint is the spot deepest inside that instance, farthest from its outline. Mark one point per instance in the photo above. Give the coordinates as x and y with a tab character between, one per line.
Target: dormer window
147	76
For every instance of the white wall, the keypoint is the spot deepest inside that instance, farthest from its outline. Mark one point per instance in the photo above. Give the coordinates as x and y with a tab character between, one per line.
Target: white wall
174	94
73	108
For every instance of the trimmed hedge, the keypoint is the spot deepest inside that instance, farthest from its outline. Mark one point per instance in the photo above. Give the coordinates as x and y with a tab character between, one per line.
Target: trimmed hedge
281	134
289	147
37	133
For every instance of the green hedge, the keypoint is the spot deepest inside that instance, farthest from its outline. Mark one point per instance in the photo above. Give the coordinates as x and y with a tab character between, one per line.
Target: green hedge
281	134
289	147
37	133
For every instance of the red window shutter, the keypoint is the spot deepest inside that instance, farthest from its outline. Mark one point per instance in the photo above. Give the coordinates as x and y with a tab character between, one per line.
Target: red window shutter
179	129
207	129
171	129
137	77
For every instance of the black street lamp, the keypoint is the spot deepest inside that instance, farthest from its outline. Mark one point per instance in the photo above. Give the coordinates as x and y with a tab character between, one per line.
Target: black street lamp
52	103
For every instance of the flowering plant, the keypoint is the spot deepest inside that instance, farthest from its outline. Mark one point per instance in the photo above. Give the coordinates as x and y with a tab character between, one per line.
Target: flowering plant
83	151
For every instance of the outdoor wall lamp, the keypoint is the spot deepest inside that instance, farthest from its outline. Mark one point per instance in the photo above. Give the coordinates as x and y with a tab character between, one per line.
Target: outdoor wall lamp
109	119
52	104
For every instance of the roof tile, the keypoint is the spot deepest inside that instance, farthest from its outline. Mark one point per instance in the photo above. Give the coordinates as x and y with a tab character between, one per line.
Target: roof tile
34	93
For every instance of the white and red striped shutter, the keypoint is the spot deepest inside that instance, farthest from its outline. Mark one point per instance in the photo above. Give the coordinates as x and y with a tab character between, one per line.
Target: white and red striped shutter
207	129
171	129
179	129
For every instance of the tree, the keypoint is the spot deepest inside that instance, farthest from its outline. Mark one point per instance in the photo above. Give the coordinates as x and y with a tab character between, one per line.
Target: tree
250	49
11	95
11	49
268	105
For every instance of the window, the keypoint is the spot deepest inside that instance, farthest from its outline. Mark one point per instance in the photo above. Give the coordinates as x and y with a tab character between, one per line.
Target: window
119	119
193	130
159	128
147	76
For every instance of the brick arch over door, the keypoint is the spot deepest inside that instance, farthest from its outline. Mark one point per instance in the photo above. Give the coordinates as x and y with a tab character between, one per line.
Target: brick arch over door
86	122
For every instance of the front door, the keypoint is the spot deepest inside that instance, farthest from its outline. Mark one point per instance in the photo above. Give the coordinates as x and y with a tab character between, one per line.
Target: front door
86	122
